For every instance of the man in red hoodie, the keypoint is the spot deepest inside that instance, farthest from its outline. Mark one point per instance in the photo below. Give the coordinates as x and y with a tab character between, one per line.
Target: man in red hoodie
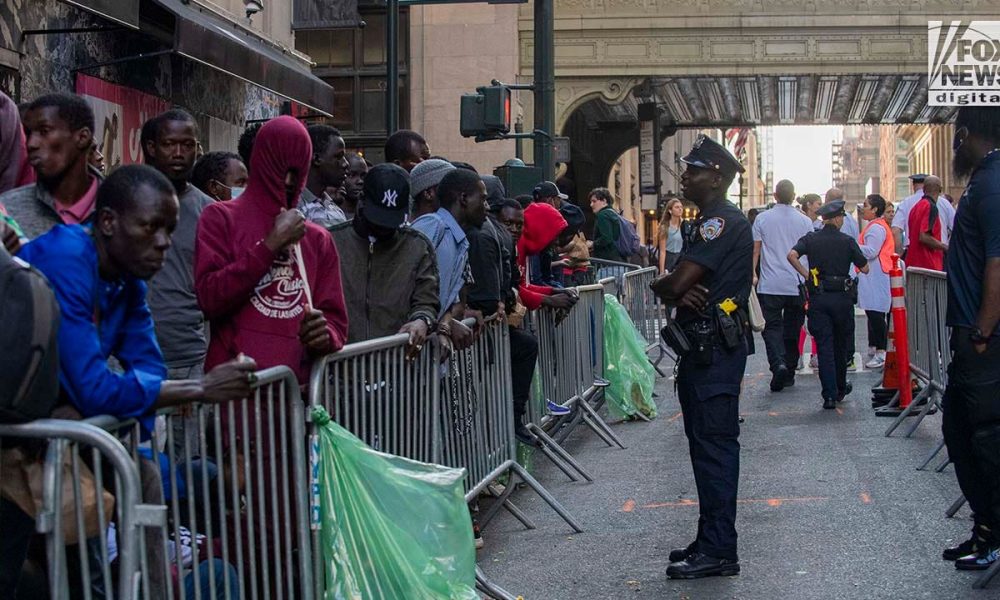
543	227
250	285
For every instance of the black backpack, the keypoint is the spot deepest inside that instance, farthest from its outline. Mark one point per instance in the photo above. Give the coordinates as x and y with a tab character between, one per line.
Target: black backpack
29	362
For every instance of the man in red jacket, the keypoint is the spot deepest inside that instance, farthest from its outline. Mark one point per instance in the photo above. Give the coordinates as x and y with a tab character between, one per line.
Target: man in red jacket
259	298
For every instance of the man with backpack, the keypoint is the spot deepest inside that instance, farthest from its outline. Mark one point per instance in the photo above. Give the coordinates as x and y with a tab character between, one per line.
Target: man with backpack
607	230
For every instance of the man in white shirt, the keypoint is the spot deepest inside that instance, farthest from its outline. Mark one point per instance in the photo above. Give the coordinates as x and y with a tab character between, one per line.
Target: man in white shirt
901	222
775	231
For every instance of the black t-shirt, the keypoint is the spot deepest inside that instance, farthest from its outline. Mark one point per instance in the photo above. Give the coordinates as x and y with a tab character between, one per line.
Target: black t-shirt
722	243
830	251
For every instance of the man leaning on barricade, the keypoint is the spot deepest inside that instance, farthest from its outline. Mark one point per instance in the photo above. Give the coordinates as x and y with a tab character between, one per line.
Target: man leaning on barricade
99	277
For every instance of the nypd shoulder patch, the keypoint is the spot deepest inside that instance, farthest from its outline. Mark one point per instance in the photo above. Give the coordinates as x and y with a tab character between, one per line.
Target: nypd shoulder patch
712	228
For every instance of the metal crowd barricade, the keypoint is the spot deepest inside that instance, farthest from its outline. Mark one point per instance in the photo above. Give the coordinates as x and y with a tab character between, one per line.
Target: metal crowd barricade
926	304
604	269
80	455
647	312
235	491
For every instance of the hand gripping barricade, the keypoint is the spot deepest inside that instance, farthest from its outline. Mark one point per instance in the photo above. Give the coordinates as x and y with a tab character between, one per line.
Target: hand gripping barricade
925	343
647	312
460	415
234	482
81	461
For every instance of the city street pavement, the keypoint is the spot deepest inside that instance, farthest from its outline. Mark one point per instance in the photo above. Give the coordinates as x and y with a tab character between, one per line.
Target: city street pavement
829	508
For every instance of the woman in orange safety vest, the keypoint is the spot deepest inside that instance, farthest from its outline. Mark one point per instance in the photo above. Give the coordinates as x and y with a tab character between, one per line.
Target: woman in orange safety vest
873	288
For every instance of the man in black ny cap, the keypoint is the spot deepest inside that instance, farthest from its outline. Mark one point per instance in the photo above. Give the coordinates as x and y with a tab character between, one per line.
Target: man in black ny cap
832	293
389	273
549	193
710	288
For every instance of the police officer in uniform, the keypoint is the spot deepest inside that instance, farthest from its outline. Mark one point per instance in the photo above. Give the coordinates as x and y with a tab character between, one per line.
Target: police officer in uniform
710	288
832	294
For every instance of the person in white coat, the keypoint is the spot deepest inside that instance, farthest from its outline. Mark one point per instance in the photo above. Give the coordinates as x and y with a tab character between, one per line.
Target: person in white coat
877	245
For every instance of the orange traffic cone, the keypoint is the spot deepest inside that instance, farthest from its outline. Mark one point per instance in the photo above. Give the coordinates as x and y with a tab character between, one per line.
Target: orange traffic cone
883	394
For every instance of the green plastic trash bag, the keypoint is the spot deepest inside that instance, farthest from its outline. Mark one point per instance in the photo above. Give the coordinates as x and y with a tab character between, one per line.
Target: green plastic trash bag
626	365
390	528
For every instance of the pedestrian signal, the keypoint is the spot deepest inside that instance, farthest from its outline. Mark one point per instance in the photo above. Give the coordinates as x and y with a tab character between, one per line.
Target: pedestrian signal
486	114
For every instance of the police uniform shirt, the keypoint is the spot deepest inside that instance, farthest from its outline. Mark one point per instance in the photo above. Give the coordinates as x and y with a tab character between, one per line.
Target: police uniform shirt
722	243
975	240
831	252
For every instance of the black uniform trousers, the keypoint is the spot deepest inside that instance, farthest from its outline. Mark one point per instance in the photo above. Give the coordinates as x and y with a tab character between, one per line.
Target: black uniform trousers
709	396
831	323
783	319
971	425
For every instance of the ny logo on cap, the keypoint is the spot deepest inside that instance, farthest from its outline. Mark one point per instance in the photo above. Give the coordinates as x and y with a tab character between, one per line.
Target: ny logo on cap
389	199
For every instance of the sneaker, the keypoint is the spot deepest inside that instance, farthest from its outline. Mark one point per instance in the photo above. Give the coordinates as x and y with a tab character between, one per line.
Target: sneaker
557	410
801	365
871	352
979	561
813	361
966	548
877	362
851	366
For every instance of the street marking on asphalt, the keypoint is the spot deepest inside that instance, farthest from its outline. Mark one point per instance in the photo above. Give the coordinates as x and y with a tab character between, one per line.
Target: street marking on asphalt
840	411
865	498
629	505
675	417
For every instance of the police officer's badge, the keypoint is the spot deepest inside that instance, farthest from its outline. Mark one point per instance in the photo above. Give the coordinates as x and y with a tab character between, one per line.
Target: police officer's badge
712	228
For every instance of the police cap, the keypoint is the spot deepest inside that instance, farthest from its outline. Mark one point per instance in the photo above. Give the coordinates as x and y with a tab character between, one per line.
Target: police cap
710	154
832	210
918	177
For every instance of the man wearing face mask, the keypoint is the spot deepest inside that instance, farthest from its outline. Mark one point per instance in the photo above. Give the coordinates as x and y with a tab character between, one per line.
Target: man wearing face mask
220	175
248	278
390	273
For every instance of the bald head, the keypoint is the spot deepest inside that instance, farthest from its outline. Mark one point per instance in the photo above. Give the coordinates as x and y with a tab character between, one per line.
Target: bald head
833	194
933	186
784	192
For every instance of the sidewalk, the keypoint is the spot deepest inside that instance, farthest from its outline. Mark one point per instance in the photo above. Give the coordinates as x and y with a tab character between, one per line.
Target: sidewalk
829	508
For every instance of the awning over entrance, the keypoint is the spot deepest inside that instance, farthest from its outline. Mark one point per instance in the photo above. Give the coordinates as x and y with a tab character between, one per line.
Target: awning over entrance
217	43
123	12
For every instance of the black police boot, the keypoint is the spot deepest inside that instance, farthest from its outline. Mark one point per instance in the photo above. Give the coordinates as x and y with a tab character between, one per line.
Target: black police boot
779	378
829	403
848	388
679	554
700	565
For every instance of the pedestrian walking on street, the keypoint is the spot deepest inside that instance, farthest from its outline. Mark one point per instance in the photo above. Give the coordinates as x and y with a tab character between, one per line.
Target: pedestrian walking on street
971	407
832	293
711	289
873	287
669	240
775	231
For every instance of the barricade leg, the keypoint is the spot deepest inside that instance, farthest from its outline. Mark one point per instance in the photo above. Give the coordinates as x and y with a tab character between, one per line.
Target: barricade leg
930	457
944	465
512	508
985	578
549	498
550	448
483	584
910	409
930	407
955	507
595	422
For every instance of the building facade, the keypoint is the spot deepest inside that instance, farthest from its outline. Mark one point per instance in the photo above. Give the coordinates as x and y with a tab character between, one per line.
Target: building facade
139	58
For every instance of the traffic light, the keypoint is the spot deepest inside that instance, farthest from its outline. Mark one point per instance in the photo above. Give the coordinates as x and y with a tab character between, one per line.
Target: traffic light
486	114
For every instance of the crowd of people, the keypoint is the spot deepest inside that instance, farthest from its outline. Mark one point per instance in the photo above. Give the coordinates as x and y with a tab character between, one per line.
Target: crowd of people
179	278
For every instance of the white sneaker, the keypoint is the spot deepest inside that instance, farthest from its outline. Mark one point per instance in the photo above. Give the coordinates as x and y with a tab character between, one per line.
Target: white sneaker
875	363
813	361
871	352
801	364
